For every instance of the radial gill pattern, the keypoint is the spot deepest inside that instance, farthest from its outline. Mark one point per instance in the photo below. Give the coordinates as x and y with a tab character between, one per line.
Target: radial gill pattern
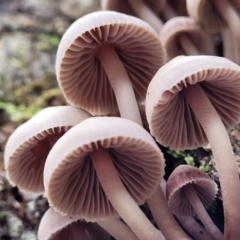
205	188
206	14
79	70
25	166
176	26
171	120
70	179
27	148
53	226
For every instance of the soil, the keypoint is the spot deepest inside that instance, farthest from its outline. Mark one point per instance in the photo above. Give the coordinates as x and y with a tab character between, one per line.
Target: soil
29	34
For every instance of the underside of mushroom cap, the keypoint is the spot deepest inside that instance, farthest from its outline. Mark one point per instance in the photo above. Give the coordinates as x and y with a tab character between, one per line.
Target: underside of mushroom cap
52	222
206	14
27	148
54	226
182	25
71	183
123	6
183	175
171	120
79	71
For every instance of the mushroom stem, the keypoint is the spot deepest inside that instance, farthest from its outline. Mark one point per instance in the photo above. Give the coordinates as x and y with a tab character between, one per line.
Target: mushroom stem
188	223
168	12
164	218
193	228
224	157
201	212
236	4
146	14
120	198
231	17
117	229
121	84
187	45
230	46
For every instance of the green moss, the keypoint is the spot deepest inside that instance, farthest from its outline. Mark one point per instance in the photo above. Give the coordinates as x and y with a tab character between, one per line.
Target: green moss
184	157
48	41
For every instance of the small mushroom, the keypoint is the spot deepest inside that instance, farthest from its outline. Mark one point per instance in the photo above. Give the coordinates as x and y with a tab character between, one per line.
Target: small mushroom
28	146
190	225
214	15
190	191
182	35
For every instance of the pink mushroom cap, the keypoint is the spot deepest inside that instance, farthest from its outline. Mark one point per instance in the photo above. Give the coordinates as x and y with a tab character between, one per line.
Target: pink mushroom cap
177	26
54	226
28	146
70	179
80	73
183	175
170	118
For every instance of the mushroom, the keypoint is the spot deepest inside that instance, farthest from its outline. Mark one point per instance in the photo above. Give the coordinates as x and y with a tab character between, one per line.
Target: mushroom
27	148
104	55
182	35
203	94
236	4
189	192
215	15
230	46
147	10
190	225
53	226
103	164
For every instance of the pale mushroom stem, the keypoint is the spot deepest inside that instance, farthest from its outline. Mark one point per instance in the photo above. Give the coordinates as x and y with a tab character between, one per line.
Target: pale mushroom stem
187	45
201	212
144	12
117	229
120	83
195	229
224	157
191	226
231	17
168	12
120	198
164	217
230	46
236	4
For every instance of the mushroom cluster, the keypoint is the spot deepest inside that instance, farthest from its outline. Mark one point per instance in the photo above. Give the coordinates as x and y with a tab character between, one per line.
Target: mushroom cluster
128	89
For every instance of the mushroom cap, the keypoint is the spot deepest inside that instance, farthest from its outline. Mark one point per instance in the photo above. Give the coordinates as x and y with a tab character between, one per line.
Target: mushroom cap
171	120
182	25
79	71
205	13
28	146
54	226
70	180
123	6
183	175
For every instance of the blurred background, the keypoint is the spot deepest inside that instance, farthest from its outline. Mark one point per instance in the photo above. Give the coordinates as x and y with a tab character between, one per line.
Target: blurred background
30	31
